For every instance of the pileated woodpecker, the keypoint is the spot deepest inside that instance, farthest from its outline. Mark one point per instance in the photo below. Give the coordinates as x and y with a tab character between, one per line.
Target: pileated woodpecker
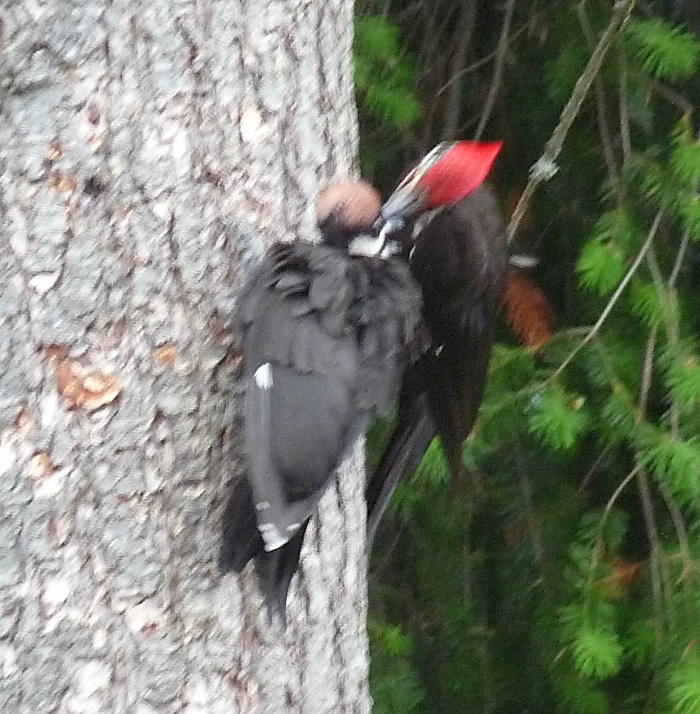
459	258
327	330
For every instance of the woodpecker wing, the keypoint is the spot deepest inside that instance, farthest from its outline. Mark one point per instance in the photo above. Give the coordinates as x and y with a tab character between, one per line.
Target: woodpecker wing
326	337
301	367
460	262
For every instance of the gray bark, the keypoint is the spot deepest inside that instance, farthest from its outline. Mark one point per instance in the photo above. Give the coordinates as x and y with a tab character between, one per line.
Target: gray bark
148	149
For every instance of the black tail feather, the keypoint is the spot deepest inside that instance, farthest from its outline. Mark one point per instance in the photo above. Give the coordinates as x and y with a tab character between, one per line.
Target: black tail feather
404	452
275	570
242	542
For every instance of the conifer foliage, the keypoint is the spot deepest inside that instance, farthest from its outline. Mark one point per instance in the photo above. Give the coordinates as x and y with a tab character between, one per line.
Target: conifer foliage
564	576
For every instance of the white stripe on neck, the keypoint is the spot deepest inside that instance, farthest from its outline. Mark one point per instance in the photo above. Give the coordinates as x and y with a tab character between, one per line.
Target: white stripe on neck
366	245
375	246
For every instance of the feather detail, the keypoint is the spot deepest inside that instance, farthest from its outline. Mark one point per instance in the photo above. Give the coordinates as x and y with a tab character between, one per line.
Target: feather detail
326	336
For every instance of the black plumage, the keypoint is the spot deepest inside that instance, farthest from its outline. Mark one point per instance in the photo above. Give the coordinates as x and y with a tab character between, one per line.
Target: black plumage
326	335
459	259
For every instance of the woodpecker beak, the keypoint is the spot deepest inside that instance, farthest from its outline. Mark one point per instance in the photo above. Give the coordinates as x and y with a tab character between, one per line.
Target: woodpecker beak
410	197
407	201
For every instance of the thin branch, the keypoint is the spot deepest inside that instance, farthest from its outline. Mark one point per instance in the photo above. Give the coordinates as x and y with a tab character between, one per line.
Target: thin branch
501	52
480	62
526	492
613	299
525	27
601	114
672	97
672	334
545	165
680	256
667	293
585	481
659	574
463	34
647	370
598	548
624	115
689	564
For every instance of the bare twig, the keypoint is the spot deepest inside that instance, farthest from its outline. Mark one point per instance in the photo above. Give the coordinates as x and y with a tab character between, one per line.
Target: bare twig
525	27
680	256
659	574
613	299
545	165
585	481
667	288
501	52
624	115
690	567
598	548
647	370
672	97
526	491
603	128
657	570
463	33
480	62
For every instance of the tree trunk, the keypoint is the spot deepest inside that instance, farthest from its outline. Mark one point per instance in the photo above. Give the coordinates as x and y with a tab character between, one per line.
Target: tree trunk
148	150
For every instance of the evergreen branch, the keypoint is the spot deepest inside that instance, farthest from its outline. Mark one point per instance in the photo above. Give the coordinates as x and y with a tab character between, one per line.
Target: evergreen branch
660	580
545	166
531	515
612	302
673	335
667	289
598	548
657	571
689	565
655	560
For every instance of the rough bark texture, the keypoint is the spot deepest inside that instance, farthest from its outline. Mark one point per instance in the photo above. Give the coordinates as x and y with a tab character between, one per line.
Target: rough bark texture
148	150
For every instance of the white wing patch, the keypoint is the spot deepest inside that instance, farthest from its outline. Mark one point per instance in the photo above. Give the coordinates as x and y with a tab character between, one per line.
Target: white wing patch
271	536
263	376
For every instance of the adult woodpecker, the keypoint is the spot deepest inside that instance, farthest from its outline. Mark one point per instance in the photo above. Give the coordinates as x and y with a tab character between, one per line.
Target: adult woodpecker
459	258
327	329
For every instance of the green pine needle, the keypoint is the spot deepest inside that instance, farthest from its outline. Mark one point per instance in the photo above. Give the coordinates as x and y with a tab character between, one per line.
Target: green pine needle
559	418
682	368
597	653
665	50
685	161
601	266
646	302
684	683
602	261
675	461
690	214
